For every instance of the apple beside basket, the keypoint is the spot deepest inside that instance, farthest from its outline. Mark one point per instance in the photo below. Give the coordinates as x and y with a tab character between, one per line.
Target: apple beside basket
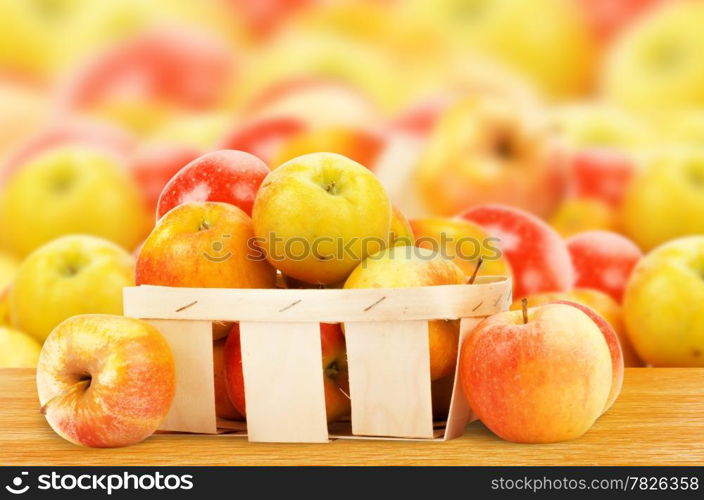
386	333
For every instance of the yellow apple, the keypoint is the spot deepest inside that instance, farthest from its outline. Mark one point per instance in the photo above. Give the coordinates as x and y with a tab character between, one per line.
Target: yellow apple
462	241
71	275
71	190
408	266
658	63
8	268
401	230
662	304
317	216
547	40
576	215
665	199
17	349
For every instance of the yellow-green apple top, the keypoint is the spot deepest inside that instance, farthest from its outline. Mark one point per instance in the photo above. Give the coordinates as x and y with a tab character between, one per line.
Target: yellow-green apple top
317	216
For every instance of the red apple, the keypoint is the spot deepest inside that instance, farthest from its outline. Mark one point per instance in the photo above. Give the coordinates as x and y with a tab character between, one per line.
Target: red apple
336	384
187	69
105	381
263	137
609	17
223	406
540	375
614	345
603	260
265	16
154	165
602	174
226	176
536	253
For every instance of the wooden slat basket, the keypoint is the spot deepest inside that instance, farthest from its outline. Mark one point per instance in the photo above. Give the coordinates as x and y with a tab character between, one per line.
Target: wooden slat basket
386	333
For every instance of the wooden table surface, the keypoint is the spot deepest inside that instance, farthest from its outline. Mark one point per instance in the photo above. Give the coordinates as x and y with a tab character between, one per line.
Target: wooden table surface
658	420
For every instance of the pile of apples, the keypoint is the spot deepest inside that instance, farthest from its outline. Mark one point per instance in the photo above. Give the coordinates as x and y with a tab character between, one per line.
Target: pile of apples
573	158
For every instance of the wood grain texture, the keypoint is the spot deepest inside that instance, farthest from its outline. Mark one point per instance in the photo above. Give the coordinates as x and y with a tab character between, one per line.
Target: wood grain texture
659	419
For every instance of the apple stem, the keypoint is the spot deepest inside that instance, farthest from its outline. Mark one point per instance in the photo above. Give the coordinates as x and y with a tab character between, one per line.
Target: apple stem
476	271
524	307
65	392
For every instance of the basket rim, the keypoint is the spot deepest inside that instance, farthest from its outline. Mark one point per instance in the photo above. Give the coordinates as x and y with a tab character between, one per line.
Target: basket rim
486	296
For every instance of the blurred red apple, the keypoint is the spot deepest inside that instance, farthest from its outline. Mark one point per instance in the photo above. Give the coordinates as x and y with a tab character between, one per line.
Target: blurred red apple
334	362
263	137
603	260
226	176
153	165
187	69
536	253
602	174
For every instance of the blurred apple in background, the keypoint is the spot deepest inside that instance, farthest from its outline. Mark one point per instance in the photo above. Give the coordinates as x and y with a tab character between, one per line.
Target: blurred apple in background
598	125
537	255
200	130
609	18
540	378
407	266
487	150
203	245
665	198
262	137
71	190
74	131
463	242
334	364
68	276
22	110
227	176
549	41
602	174
8	269
105	381
17	349
603	260
603	304
576	215
658	63
134	81
360	145
319	215
661	304
154	164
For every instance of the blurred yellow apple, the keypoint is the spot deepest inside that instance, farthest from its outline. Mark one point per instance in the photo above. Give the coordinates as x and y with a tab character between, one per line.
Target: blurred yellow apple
549	41
658	63
665	200
576	215
69	276
71	190
17	349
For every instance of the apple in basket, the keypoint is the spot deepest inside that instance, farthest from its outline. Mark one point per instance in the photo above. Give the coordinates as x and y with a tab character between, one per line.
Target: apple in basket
334	366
